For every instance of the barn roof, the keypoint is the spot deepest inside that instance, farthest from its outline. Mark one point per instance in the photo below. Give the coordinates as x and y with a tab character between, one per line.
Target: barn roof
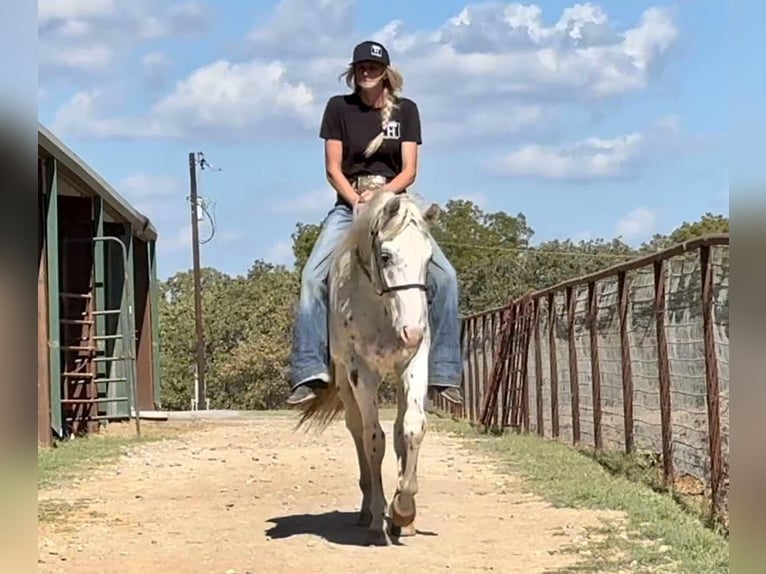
53	146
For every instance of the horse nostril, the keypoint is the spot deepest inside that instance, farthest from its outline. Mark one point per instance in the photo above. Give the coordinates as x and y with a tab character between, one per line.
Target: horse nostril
411	336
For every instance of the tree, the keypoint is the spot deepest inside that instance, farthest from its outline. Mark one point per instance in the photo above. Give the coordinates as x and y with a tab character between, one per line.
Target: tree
248	319
484	250
304	237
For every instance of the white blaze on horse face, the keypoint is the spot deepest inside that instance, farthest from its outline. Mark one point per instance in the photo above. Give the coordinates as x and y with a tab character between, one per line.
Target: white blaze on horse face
404	263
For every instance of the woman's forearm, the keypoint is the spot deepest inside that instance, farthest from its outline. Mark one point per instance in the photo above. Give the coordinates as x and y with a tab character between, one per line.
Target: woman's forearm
402	181
339	182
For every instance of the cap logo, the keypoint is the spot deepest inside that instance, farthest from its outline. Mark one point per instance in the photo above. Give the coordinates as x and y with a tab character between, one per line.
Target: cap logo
376	51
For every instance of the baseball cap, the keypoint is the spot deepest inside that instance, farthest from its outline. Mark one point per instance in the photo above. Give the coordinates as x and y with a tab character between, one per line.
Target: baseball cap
369	50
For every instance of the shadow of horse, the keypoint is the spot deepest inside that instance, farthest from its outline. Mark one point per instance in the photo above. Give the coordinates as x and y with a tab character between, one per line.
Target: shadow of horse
336	527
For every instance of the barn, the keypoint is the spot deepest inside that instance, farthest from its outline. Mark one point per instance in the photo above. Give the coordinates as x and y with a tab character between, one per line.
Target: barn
98	348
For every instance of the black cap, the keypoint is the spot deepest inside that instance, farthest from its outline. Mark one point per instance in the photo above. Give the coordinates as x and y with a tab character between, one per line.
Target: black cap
369	50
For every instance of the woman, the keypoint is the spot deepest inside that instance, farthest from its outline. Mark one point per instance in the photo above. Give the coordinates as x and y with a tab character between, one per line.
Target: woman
371	139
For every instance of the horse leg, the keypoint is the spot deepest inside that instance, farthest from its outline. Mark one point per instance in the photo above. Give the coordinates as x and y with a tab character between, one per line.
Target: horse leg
415	382
364	385
354	426
401	456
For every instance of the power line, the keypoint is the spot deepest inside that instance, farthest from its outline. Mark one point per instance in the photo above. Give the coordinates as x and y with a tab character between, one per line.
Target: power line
537	250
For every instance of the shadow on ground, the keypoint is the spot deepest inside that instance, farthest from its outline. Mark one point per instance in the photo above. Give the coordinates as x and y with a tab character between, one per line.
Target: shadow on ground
336	527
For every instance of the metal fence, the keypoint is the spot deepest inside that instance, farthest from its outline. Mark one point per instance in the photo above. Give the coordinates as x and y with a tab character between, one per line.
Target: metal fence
634	358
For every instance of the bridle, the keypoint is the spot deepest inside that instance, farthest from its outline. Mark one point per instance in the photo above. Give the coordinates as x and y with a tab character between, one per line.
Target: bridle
375	274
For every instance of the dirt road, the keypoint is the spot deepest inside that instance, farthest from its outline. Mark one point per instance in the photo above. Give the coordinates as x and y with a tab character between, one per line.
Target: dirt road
255	496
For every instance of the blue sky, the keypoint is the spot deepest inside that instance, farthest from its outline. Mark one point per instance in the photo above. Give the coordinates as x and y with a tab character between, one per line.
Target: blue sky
594	120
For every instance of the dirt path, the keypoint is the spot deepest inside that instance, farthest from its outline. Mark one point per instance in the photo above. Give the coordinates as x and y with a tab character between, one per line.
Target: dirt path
254	496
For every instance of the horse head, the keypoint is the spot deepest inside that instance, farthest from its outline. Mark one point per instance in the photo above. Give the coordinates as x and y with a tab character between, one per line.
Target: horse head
394	254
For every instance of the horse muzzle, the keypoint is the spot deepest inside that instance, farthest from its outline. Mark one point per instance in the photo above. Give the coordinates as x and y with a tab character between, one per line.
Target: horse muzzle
411	337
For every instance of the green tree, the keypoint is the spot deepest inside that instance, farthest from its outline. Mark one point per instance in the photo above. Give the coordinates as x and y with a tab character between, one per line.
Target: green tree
248	319
304	237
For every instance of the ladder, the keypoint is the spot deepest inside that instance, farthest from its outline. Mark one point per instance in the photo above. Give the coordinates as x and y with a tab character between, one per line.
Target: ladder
90	378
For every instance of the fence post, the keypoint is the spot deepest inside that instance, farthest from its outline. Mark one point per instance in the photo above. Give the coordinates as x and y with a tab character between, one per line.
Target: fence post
595	369
574	379
664	371
508	367
538	370
554	372
627	369
480	386
711	378
528	317
497	325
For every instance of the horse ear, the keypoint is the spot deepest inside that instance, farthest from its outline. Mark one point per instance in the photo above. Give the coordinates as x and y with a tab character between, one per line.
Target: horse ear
432	213
392	206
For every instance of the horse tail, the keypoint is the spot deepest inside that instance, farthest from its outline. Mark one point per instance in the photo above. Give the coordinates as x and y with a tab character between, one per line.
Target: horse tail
323	410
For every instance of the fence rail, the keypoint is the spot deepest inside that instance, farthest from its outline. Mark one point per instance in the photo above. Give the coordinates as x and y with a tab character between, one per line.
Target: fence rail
633	358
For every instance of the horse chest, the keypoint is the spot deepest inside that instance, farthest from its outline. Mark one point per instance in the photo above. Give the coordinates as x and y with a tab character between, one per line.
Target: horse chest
373	339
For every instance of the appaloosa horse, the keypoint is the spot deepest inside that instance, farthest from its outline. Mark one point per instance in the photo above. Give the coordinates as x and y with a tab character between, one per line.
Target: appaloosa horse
379	328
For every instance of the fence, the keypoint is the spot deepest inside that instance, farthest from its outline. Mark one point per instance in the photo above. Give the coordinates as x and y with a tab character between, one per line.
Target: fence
634	358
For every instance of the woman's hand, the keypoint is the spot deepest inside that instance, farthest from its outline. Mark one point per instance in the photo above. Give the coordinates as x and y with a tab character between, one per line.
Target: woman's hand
366	196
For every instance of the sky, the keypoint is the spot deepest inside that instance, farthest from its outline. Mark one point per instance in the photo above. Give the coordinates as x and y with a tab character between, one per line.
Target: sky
594	120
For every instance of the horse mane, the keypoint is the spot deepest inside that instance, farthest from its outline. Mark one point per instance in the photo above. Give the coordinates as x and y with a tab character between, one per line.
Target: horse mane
374	219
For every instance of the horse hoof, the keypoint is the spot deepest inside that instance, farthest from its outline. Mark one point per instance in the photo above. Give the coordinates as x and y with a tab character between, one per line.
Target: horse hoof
403	531
402	514
364	518
375	538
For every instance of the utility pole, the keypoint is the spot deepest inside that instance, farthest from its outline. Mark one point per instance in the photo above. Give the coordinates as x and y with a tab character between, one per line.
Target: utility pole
200	390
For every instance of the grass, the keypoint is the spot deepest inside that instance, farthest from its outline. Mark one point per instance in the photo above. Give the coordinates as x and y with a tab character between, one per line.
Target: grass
662	535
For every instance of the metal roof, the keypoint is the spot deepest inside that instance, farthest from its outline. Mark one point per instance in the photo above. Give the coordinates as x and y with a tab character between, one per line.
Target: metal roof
142	227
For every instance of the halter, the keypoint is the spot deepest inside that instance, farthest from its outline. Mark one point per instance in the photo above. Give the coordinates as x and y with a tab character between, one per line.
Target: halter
376	276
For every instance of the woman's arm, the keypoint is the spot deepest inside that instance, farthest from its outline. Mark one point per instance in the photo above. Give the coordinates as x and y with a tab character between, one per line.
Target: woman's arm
333	156
407	176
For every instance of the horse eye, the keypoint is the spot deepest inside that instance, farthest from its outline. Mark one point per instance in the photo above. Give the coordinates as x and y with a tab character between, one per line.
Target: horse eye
385	257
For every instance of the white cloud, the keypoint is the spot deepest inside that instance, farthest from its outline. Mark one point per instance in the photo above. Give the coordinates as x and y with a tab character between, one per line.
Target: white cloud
493	70
504	48
78	37
87	114
48	10
638	225
589	159
235	100
303	29
228	97
595	158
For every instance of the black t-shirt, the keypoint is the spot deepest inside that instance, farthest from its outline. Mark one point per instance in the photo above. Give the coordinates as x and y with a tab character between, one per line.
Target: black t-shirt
349	119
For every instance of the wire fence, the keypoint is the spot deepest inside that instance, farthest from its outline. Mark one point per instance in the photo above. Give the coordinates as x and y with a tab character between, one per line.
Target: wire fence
633	359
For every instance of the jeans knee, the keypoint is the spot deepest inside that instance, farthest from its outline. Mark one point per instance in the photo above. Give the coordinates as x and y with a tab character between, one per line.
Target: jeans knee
312	285
444	279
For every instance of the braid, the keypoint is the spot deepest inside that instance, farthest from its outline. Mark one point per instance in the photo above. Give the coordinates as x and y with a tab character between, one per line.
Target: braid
389	105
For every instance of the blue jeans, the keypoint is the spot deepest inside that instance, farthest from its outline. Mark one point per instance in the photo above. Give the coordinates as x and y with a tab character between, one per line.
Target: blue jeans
310	355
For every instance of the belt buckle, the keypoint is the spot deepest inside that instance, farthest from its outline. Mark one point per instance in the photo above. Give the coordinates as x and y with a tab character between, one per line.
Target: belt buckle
367	182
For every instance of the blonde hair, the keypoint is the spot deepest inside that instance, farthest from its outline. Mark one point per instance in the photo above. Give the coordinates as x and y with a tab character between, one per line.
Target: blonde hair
392	85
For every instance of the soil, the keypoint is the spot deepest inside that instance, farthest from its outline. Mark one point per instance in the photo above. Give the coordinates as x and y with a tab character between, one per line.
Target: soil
256	496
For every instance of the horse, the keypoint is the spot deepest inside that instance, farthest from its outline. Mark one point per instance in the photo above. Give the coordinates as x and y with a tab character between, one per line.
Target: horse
378	328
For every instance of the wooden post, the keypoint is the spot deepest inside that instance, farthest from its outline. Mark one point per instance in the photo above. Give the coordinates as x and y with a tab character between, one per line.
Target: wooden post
538	371
553	364
574	379
595	370
627	369
712	384
664	372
